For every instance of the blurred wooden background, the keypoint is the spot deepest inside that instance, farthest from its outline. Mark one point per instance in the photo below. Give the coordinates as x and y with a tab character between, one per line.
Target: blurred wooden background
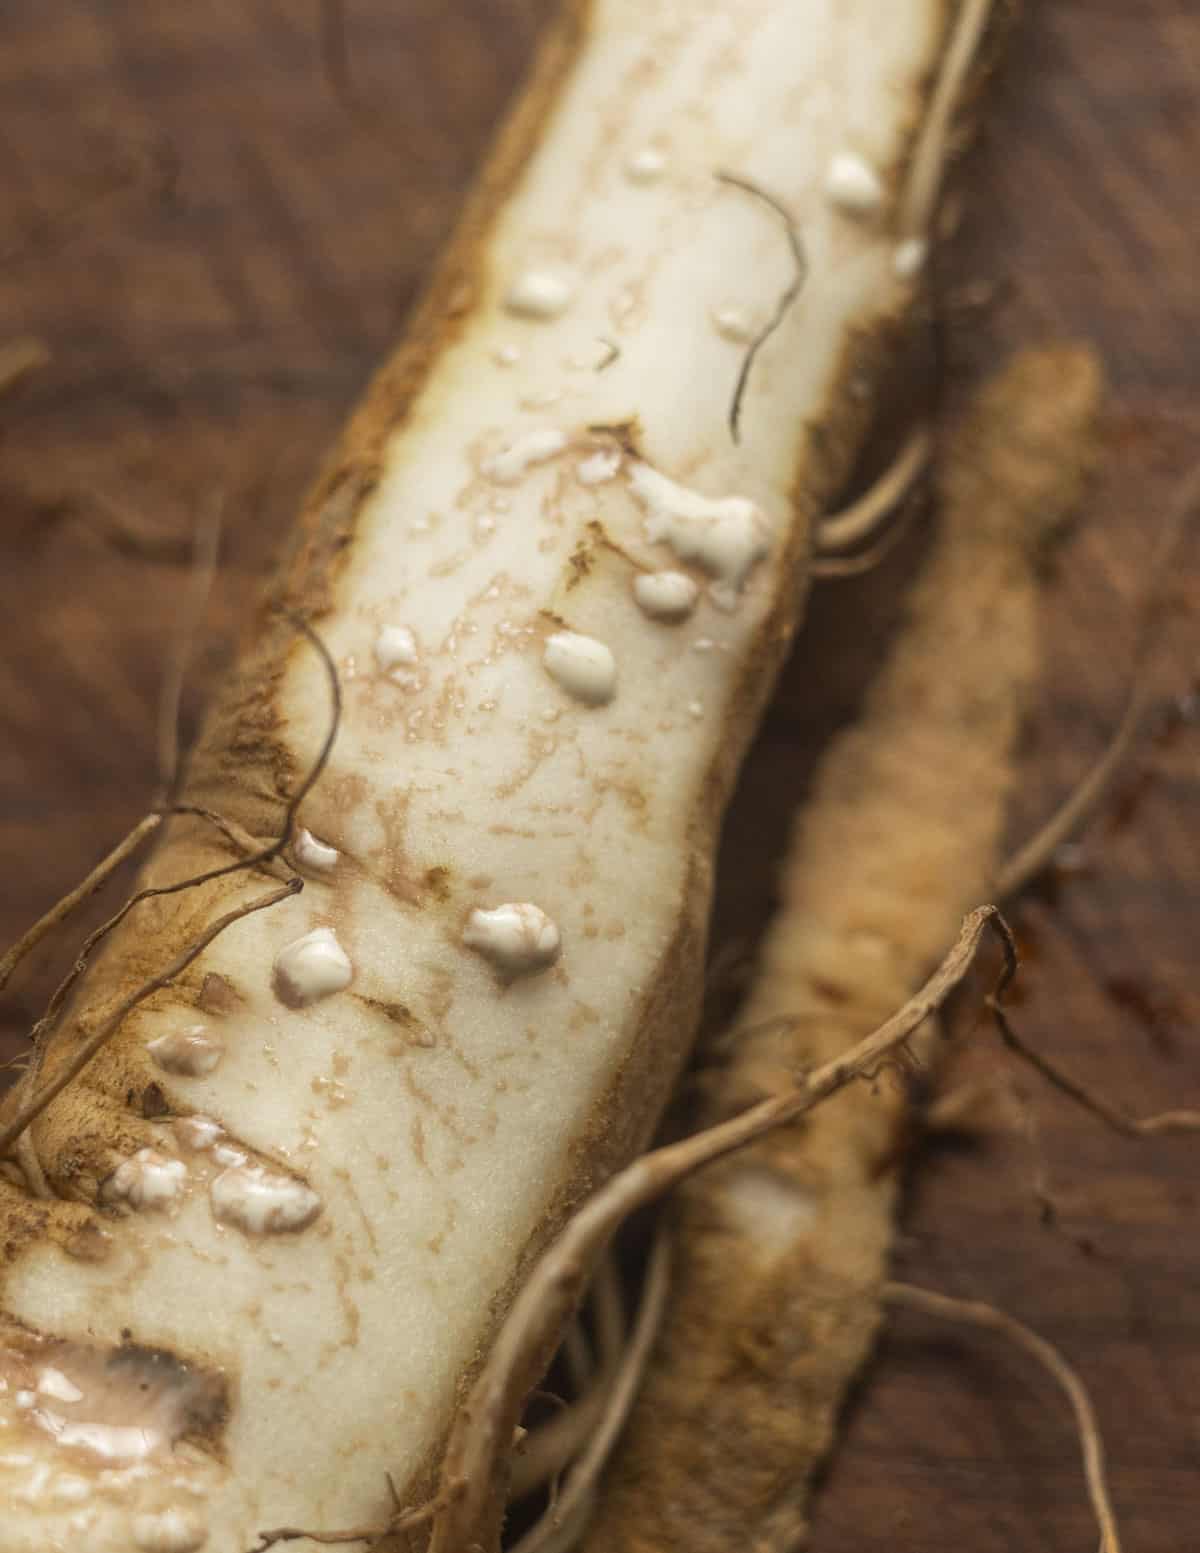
217	251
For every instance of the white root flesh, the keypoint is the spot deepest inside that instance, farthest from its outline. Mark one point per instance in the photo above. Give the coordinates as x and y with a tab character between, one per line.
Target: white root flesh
412	1095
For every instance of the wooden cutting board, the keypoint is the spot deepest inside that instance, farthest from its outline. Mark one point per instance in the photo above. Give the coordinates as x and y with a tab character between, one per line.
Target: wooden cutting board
217	235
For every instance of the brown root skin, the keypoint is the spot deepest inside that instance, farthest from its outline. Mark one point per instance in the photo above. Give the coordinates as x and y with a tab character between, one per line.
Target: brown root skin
1018	461
88	1135
779	1250
198	909
28	1222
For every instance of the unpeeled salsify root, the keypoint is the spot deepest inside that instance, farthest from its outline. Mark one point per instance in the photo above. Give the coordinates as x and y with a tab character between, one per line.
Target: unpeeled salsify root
779	1251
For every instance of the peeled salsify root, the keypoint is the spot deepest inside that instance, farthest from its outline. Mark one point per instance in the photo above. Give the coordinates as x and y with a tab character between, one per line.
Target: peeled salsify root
779	1251
557	563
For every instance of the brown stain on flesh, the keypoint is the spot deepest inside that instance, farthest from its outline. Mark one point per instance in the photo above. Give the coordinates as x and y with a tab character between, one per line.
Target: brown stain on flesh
437	882
394	1013
344	1278
397	870
414	1029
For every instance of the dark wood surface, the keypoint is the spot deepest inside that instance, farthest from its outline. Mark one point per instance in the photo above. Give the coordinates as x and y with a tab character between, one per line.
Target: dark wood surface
217	252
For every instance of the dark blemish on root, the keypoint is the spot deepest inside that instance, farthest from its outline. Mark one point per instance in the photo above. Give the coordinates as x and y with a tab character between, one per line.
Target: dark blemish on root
437	882
218	995
154	1103
580	561
829	991
89	1243
626	434
130	1386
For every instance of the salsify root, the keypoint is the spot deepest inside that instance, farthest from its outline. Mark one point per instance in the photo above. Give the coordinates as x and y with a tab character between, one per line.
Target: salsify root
559	557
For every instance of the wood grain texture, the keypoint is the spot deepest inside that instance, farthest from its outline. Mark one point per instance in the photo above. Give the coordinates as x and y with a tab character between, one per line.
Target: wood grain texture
217	253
